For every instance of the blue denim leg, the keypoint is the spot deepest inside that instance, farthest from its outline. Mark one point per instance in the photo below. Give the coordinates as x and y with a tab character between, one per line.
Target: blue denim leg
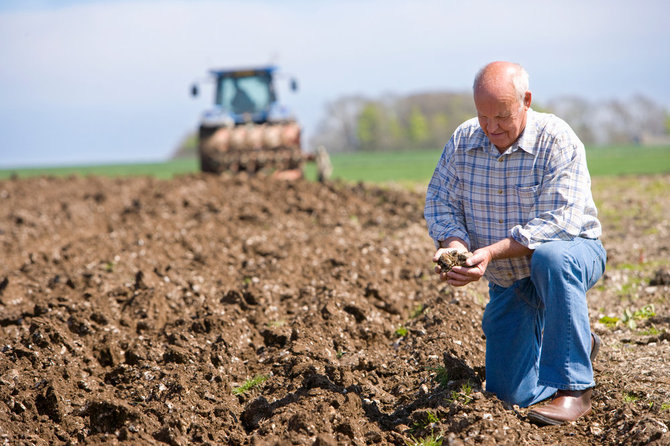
562	272
513	323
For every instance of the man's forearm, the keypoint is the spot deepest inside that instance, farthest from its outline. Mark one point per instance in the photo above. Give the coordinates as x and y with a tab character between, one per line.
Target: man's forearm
508	248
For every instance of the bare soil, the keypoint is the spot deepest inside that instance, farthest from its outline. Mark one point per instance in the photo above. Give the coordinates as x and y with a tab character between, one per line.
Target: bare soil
135	310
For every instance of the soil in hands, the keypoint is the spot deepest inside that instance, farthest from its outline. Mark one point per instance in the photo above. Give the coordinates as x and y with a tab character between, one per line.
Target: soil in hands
449	259
219	310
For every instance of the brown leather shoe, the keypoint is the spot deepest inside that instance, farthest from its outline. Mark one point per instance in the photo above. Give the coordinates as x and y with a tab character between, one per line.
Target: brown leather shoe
567	405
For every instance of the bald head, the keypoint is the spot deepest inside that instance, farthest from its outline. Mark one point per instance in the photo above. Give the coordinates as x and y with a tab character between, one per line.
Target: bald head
498	76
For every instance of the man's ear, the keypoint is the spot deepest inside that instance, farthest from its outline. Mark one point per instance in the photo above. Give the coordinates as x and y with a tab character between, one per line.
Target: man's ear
527	99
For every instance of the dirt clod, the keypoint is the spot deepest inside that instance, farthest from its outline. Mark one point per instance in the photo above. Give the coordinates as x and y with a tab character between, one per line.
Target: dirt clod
449	259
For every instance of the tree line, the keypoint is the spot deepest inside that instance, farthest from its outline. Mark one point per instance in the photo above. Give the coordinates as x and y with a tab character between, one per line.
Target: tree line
427	120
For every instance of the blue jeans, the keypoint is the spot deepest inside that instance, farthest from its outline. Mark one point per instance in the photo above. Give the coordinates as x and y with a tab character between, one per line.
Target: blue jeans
538	336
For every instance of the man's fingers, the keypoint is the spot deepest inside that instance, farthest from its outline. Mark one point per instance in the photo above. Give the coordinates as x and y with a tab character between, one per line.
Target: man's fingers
475	259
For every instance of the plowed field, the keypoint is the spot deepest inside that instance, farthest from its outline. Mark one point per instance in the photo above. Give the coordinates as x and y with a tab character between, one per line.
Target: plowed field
231	311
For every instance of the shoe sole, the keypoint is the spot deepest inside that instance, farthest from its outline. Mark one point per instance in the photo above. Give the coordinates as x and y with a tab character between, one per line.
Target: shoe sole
596	347
542	420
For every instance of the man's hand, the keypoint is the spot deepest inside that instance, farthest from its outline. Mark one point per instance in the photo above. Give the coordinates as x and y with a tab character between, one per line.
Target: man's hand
473	271
474	268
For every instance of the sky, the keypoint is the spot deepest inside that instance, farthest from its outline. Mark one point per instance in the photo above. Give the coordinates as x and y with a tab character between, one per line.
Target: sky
108	81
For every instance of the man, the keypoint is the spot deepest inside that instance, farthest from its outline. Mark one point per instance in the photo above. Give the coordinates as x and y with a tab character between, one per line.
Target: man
512	186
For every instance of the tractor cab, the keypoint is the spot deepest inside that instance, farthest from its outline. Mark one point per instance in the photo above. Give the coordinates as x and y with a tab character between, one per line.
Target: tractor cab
247	129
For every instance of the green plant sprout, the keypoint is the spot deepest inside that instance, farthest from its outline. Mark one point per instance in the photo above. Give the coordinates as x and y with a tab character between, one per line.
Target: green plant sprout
418	310
651	331
441	375
431	440
463	395
249	385
629	397
630	317
401	332
431	418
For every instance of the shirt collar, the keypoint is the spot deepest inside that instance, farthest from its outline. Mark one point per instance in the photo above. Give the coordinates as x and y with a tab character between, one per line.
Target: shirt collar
528	138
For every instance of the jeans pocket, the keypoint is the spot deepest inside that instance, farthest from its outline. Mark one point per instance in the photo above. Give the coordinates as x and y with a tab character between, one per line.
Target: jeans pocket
526	292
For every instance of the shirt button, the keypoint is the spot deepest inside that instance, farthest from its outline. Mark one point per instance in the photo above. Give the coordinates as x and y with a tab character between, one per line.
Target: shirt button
499	221
500	191
500	160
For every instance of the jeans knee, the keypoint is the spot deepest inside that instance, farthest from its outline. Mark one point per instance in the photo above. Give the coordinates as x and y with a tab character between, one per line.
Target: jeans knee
550	256
547	254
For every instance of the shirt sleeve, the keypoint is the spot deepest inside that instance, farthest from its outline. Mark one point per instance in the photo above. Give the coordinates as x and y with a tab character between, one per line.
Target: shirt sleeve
560	199
444	209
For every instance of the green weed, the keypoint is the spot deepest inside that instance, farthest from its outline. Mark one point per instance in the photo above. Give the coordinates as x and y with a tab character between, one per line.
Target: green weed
417	311
463	395
645	312
651	331
665	406
630	318
441	376
629	397
431	418
610	321
249	385
431	440
401	332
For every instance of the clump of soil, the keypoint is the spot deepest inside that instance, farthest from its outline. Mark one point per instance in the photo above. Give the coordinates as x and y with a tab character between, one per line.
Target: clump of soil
449	259
223	310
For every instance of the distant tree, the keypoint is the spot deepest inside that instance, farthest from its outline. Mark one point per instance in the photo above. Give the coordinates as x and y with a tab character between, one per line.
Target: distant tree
397	132
440	128
424	120
614	121
392	123
417	131
337	130
578	113
370	126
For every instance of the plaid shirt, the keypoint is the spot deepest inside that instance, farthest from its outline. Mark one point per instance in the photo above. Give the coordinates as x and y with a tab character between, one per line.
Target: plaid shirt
539	190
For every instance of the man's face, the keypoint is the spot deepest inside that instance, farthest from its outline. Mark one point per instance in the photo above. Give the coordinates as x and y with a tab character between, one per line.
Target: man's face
500	115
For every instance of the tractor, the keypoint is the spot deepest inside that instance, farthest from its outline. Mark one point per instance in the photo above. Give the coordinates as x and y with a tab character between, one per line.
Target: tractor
247	129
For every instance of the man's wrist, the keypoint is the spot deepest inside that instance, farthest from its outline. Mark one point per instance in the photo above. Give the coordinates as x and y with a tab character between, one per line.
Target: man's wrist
457	243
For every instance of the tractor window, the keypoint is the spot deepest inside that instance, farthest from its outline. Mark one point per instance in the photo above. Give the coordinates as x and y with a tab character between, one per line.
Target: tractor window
250	94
